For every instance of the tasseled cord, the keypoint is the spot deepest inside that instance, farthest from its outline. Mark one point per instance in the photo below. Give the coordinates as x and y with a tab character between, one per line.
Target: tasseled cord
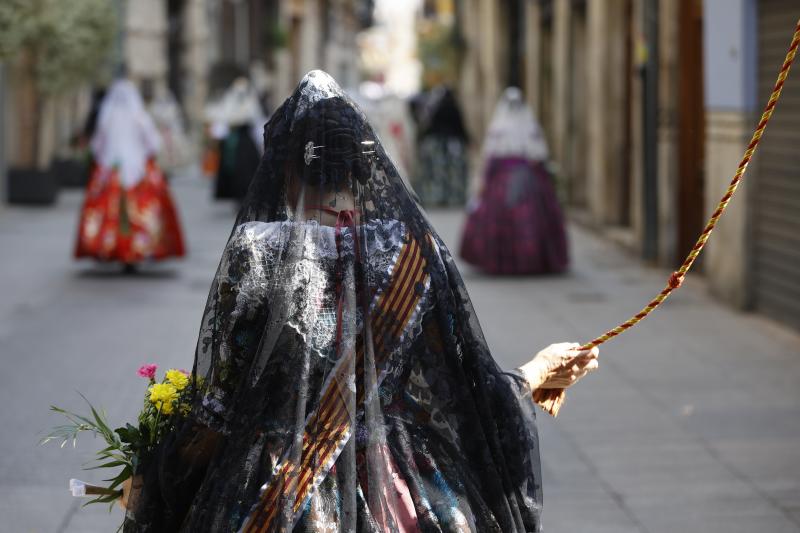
550	400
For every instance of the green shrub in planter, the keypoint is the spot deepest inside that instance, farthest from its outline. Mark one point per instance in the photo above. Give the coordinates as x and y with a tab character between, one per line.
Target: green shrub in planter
51	47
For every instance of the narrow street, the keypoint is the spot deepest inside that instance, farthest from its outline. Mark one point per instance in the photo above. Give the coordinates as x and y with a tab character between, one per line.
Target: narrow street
692	423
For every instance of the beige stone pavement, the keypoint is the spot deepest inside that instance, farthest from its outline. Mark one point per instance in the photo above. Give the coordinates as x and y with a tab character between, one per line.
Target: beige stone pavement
692	424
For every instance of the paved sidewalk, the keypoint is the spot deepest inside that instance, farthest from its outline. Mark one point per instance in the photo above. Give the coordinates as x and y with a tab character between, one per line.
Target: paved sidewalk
68	326
692	424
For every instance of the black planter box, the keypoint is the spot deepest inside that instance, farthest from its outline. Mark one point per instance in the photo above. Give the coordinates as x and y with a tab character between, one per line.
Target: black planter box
31	186
70	172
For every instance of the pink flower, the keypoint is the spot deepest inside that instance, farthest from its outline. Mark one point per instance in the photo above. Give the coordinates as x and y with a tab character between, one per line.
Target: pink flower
148	371
185	372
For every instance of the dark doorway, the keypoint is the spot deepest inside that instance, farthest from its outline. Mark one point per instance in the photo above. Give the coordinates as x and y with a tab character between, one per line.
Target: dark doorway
175	47
691	126
626	175
516	35
573	168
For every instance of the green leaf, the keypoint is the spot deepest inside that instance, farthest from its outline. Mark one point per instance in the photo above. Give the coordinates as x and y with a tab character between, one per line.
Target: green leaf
99	420
124	474
111	464
74	418
124	434
128	434
110	449
104	498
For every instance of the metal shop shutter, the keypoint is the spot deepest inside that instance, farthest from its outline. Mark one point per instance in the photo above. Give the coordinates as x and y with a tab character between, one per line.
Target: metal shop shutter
776	205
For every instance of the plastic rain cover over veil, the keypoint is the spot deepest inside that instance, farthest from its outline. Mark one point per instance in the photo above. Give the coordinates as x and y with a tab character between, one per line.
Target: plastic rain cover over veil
342	380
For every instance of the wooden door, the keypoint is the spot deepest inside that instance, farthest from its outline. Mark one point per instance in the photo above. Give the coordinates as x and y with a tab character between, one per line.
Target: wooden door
691	127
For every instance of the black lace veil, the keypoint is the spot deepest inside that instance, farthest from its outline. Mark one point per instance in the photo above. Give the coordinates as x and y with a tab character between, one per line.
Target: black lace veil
342	379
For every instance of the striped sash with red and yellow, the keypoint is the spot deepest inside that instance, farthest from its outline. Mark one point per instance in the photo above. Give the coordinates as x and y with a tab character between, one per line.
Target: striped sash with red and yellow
329	429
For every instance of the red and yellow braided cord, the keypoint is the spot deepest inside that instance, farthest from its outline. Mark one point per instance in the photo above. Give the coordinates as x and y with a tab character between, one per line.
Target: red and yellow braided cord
551	399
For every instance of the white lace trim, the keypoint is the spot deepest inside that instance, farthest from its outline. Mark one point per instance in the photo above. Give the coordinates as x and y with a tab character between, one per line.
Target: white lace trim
319	240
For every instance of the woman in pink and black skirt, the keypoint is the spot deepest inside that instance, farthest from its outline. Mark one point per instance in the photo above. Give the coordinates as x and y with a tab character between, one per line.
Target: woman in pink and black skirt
516	225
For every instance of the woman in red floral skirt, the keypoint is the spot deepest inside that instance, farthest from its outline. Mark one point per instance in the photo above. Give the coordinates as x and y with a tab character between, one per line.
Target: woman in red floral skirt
128	215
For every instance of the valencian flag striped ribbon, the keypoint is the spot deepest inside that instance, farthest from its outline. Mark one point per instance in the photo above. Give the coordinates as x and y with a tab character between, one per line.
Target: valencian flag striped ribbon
551	399
329	428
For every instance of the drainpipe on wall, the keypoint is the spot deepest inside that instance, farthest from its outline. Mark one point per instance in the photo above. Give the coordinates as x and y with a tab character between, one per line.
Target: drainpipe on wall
118	57
3	163
516	39
650	129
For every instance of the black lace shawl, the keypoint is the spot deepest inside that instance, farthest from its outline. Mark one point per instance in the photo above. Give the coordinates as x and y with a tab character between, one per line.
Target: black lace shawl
343	381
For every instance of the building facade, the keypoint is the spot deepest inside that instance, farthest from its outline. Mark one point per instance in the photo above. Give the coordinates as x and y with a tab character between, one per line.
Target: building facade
168	43
760	268
196	47
648	106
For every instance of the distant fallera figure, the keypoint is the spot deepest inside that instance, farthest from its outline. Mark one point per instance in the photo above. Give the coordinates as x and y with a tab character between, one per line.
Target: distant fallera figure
442	169
236	122
175	153
341	381
391	117
515	225
128	215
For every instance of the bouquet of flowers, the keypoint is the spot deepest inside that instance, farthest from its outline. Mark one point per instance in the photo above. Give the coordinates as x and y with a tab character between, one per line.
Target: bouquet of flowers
130	445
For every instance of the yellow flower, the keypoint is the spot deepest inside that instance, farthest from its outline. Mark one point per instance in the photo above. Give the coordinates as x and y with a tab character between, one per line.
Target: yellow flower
165	408
177	378
163	396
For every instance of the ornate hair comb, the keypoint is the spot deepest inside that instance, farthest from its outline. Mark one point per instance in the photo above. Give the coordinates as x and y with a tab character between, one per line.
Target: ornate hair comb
309	154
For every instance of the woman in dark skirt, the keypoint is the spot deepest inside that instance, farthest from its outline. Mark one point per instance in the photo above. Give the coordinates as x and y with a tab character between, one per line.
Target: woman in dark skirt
516	225
236	123
341	379
442	155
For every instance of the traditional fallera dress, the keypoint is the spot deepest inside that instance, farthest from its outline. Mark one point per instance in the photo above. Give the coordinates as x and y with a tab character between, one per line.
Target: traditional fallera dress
236	122
442	170
391	118
128	214
515	225
342	382
175	152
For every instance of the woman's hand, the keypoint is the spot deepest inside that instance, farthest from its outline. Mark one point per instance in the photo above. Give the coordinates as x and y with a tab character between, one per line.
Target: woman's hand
559	366
131	488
